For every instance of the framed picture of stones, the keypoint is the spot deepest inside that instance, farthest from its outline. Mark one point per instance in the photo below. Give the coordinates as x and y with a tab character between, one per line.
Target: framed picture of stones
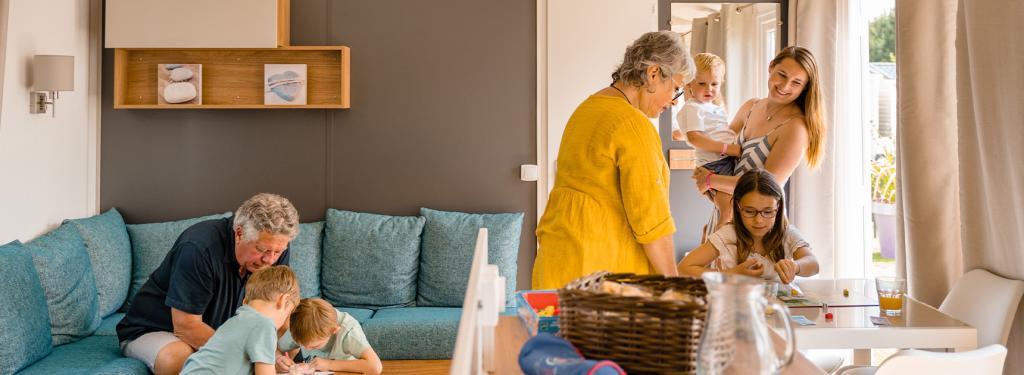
284	84
179	84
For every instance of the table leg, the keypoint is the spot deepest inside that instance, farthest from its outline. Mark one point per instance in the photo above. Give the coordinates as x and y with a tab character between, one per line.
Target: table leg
862	357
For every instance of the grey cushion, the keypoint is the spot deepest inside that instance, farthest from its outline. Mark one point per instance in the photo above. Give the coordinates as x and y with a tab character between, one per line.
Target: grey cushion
150	244
370	260
68	283
449	239
110	252
23	313
304	257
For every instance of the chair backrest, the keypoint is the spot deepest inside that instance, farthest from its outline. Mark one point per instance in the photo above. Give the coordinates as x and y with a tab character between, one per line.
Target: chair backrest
985	301
984	361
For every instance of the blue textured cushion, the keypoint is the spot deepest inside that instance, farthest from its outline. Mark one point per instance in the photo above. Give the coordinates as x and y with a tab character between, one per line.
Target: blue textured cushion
370	260
108	327
110	252
449	239
68	283
150	244
305	257
92	355
413	332
23	314
361	315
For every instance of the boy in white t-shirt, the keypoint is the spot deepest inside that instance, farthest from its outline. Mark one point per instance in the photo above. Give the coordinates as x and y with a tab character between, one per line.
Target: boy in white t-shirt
707	128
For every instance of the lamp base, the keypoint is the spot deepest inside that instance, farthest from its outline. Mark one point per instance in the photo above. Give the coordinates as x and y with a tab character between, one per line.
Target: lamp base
39	100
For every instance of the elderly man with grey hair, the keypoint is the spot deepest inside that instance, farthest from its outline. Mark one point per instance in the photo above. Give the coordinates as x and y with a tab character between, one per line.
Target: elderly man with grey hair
201	281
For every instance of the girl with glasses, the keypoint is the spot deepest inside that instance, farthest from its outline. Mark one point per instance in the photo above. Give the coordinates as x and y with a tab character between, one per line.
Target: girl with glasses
761	243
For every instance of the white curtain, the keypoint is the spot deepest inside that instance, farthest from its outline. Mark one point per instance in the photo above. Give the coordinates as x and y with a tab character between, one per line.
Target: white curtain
960	84
741	59
989	93
927	197
812	193
733	37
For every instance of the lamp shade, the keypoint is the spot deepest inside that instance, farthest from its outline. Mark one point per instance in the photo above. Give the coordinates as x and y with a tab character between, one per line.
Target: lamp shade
53	73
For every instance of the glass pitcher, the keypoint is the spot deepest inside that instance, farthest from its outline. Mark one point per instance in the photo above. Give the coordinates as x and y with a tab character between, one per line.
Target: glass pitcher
736	337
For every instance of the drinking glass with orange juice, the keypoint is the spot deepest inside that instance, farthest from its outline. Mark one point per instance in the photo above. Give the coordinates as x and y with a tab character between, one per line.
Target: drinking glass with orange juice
891	292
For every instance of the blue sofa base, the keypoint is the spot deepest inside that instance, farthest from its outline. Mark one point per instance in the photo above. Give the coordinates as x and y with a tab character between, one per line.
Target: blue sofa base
91	355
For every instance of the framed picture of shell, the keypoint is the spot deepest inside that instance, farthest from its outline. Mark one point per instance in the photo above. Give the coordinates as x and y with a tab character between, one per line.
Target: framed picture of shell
179	84
284	84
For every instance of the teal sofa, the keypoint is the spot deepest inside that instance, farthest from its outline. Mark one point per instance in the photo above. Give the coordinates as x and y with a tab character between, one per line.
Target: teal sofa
402	277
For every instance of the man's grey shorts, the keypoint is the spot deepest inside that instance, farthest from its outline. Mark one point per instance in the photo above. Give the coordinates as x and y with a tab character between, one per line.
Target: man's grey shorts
146	347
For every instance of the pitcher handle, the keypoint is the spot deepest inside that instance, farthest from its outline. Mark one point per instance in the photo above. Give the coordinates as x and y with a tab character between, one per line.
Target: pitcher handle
790	336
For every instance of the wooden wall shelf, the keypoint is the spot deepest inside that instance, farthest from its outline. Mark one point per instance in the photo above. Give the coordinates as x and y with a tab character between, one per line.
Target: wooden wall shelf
232	78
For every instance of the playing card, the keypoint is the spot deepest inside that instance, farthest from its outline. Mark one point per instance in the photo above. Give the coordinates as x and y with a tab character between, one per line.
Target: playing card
802	320
880	320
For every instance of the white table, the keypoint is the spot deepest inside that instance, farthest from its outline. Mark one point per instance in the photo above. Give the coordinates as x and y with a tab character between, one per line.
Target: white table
919	327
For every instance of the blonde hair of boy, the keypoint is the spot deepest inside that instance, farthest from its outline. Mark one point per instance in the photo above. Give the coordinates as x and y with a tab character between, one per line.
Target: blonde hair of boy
709	62
270	282
312	320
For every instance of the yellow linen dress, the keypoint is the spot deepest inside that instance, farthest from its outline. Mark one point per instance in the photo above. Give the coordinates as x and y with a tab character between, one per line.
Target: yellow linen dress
610	195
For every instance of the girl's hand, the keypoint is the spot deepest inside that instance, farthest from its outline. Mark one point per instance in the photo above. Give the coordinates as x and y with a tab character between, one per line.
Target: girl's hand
787	270
750	267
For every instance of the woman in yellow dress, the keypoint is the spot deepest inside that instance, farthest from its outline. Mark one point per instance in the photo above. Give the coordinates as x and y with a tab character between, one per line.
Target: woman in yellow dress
609	208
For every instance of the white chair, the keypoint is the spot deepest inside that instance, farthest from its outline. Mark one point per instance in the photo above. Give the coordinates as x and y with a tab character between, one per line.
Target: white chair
984	361
985	301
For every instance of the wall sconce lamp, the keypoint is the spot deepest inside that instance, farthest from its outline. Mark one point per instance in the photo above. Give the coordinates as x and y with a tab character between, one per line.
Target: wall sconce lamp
51	74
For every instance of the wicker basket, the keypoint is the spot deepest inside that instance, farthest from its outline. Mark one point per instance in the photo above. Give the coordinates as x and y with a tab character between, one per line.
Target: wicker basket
641	334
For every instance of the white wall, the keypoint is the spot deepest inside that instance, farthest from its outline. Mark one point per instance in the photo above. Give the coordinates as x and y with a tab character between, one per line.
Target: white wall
47	164
577	51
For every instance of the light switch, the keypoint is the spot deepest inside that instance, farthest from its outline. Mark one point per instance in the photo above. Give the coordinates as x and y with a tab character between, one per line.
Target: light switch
528	172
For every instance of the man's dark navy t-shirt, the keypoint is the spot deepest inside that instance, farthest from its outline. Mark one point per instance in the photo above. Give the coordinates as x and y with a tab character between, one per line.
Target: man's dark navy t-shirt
200	276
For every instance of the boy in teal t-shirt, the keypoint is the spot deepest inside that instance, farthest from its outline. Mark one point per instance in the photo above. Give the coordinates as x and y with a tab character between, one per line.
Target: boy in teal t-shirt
328	339
245	343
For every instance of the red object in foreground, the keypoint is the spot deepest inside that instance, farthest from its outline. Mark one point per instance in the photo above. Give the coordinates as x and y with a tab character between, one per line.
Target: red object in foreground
828	316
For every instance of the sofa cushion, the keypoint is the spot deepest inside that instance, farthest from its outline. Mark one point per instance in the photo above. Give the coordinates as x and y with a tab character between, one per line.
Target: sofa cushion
413	332
370	260
92	355
25	331
68	283
150	244
304	257
361	315
108	327
449	239
110	252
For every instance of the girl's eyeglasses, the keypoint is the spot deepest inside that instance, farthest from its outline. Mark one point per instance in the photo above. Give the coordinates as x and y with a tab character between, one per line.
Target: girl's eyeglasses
767	213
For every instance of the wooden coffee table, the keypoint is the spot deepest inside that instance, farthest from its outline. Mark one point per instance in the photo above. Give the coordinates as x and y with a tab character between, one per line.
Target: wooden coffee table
510	335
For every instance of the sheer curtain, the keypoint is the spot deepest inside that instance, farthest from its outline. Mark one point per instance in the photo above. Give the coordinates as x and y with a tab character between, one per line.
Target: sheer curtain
830	204
733	37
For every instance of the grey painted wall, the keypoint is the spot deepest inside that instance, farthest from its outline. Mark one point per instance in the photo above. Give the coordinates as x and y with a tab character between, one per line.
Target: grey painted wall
443	113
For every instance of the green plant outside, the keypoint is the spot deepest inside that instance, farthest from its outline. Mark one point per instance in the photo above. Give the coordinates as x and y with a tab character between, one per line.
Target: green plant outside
883	178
